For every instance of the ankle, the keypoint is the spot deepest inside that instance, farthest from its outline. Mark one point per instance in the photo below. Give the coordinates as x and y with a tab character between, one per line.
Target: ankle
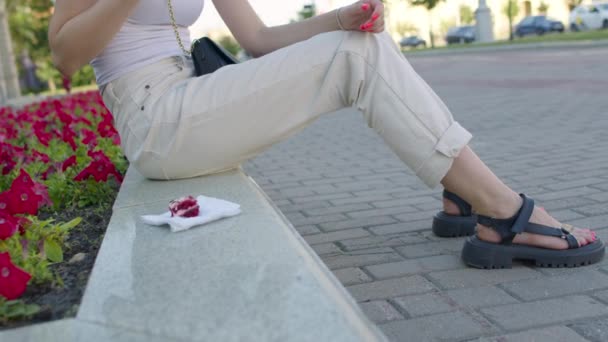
500	206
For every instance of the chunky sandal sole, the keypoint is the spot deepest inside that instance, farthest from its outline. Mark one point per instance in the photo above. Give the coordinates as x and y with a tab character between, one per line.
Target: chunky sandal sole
481	254
445	225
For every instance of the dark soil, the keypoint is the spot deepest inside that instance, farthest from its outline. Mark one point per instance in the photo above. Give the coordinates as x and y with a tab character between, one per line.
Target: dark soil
63	302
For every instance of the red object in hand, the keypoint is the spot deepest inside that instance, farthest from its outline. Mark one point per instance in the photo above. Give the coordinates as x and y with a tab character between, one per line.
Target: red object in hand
184	207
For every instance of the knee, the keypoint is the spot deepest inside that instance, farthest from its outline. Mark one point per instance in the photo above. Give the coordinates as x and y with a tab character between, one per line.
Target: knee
366	44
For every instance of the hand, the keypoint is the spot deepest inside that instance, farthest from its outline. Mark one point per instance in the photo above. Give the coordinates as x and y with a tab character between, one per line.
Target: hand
363	15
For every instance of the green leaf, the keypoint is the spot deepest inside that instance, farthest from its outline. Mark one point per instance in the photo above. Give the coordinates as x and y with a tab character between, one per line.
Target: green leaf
71	224
53	251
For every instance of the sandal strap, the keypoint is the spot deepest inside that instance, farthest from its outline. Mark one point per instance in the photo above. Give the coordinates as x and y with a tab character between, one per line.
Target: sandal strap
519	223
508	228
463	206
563	233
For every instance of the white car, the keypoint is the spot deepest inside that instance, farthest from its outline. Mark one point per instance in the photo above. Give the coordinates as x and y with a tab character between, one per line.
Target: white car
589	17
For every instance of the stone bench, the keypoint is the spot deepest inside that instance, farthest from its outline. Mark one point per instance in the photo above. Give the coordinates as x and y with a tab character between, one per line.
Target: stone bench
246	278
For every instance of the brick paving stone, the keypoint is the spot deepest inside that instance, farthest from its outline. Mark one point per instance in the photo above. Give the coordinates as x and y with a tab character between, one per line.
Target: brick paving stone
496	96
572	184
567	203
550	311
335	236
380	241
390	288
380	311
453	326
593	330
601	197
402	227
602	295
414	201
566	215
316	219
478	297
326	248
471	277
548	334
532	289
581	191
415	266
337	209
592	210
357	223
444	246
307	229
351	276
381	212
362	258
593	222
360	199
426	304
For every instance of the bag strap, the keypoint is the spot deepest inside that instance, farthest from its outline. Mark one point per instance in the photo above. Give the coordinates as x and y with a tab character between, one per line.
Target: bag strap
176	30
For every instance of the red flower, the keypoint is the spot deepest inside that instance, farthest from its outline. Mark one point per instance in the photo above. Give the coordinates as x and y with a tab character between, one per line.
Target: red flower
43	136
8	225
100	168
106	127
25	196
39	156
90	138
68	162
68	136
13	280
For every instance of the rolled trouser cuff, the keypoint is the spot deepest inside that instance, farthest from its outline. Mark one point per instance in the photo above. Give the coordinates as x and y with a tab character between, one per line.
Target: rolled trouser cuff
448	147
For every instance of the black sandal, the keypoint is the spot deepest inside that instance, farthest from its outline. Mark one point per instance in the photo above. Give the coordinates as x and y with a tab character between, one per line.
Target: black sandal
481	254
446	225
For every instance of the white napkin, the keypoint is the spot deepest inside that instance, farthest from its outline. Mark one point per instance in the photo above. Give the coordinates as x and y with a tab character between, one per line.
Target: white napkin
210	209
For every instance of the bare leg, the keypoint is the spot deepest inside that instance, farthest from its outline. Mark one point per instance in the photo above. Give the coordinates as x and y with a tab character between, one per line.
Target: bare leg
472	180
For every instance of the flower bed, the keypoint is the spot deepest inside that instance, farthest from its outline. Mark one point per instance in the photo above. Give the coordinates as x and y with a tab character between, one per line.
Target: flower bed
60	162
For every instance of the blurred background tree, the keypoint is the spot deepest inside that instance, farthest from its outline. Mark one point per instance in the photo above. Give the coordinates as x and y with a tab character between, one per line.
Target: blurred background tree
467	17
543	8
573	3
403	28
429	5
230	44
307	11
28	21
511	10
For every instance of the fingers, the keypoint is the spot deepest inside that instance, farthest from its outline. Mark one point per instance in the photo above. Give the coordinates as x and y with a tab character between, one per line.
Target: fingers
375	23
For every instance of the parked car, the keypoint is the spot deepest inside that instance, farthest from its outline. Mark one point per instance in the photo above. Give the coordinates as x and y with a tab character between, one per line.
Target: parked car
460	34
591	17
539	25
412	41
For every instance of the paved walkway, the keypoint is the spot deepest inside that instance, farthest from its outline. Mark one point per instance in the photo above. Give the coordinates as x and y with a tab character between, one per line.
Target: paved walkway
540	121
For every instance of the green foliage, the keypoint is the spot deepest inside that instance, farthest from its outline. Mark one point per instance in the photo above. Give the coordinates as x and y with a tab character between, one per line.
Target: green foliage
404	28
466	15
38	247
230	44
511	11
307	11
573	3
28	21
428	4
446	25
543	7
16	309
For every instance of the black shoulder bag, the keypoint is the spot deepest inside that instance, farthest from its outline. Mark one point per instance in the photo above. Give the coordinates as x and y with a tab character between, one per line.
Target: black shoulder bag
207	56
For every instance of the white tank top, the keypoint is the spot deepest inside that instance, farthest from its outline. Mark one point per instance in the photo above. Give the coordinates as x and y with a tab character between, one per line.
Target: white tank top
146	37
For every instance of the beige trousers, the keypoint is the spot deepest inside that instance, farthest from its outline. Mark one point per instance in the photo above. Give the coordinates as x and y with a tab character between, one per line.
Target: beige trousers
174	125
